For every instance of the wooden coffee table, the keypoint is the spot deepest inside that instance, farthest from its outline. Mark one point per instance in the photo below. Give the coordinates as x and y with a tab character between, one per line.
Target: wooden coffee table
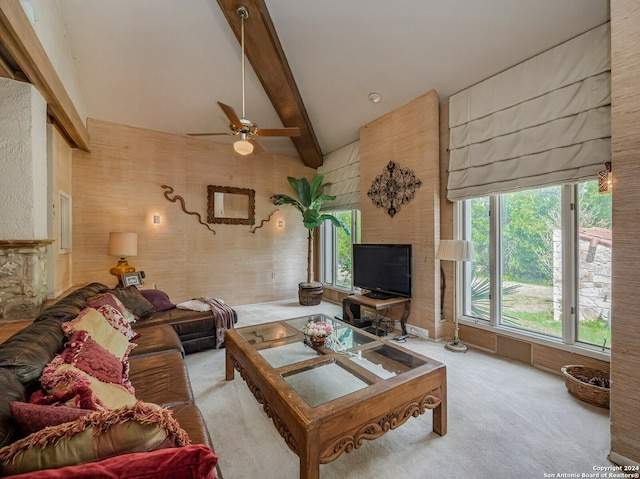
326	400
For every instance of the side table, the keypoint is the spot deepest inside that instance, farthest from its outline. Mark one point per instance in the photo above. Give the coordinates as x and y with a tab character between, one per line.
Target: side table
379	304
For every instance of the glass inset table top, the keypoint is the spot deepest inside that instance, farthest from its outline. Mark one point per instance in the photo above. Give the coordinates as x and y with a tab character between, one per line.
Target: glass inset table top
265	332
324	383
286	354
342	338
348	361
385	362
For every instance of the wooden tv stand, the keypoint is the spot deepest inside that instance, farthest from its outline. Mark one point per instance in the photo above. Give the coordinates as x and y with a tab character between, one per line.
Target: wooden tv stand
378	304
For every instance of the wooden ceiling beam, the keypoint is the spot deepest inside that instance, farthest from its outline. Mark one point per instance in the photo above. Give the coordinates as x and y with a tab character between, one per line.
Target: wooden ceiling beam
21	42
5	69
264	52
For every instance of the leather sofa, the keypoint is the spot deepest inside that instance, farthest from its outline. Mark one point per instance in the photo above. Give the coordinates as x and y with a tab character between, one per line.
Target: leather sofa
196	329
157	368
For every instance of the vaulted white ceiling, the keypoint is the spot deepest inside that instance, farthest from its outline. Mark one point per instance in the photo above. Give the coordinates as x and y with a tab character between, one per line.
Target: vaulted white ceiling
164	64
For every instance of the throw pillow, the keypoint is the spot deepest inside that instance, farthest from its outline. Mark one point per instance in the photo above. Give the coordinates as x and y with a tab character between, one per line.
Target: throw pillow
196	460
68	385
101	331
87	355
34	417
99	435
118	321
134	301
109	299
159	299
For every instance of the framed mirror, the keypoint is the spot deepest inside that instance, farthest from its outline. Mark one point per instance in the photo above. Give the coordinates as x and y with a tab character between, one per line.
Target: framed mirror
230	206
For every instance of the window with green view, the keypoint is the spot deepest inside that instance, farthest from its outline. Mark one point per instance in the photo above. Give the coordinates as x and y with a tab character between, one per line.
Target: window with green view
335	247
543	262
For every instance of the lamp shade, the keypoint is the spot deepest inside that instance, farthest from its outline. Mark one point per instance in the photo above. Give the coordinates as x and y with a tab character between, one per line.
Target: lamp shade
243	147
455	250
123	244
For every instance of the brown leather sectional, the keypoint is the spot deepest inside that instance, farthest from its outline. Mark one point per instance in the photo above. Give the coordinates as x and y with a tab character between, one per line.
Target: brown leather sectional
196	330
157	368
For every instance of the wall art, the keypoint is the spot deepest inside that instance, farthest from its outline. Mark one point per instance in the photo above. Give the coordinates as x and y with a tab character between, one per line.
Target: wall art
179	198
396	186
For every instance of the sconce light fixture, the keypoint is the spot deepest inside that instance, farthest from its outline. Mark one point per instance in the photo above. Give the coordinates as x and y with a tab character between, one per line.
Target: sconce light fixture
156	219
122	245
280	223
605	179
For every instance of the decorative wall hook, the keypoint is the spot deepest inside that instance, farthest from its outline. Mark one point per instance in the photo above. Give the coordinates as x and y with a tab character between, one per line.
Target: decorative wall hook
396	186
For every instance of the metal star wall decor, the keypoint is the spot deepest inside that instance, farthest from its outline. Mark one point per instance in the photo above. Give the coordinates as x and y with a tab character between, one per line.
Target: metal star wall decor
394	187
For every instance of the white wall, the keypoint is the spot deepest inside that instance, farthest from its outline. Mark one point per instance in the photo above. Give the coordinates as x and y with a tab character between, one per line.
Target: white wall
23	162
49	26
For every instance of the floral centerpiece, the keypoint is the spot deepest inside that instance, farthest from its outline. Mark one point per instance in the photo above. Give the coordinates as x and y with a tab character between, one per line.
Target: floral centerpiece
317	331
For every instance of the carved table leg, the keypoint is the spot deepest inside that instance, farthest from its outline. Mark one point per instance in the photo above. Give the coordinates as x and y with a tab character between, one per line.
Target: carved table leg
228	366
440	412
310	458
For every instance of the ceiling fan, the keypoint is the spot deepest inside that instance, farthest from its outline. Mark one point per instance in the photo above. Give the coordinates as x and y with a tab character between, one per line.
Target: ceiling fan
242	126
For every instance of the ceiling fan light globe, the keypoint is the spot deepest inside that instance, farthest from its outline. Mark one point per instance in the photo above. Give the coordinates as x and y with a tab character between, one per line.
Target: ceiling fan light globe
243	147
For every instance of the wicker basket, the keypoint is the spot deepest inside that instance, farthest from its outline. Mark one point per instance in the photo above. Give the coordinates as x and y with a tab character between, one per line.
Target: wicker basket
310	294
593	394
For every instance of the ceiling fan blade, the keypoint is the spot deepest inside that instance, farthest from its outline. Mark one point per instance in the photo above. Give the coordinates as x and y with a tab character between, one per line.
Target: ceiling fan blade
231	114
294	131
257	147
207	134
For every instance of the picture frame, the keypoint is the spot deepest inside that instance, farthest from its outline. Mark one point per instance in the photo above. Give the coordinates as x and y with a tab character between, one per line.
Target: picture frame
131	279
231	206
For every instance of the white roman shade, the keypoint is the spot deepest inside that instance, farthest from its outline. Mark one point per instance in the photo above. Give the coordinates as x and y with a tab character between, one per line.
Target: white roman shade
342	169
545	121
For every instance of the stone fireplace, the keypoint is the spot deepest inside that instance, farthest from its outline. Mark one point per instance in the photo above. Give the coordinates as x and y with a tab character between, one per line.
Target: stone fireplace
24	187
23	278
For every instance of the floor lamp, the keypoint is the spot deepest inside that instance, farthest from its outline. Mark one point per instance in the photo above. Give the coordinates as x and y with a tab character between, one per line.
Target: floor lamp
454	250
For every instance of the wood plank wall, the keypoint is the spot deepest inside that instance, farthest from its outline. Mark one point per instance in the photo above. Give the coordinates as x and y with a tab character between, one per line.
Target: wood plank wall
61	158
117	187
409	137
625	355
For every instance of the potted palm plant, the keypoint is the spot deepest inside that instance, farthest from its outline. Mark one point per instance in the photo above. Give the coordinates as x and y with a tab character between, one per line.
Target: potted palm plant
309	201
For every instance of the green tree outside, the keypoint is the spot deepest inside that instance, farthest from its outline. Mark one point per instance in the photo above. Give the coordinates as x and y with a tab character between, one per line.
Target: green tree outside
344	250
528	220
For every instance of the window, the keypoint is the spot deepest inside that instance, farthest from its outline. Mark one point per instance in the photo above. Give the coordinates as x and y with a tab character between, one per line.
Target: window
543	263
594	272
335	247
530	229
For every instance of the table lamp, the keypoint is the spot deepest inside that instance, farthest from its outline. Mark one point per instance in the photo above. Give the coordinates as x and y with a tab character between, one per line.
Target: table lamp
122	245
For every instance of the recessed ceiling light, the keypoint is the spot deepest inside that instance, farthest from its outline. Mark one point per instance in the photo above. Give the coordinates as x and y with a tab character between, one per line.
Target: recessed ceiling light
375	97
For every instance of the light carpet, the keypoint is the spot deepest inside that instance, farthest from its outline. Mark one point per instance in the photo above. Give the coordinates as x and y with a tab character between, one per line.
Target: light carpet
506	420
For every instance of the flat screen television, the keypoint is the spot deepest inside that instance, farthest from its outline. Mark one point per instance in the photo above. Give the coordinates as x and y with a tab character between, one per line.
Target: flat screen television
384	270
